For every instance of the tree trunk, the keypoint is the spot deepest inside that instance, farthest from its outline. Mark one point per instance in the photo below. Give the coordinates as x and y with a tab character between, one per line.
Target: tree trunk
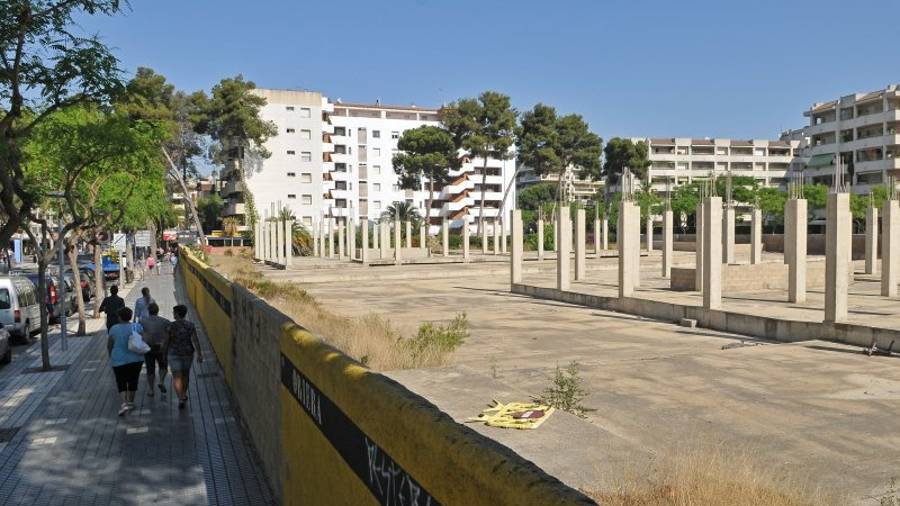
481	205
153	232
99	276
79	294
187	198
129	254
45	320
428	209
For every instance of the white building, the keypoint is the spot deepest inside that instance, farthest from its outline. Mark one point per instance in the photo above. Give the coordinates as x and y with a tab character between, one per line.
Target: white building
334	160
863	128
682	160
574	187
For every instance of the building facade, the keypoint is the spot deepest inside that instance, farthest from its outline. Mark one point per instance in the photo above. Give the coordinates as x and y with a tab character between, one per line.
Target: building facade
333	161
863	130
676	160
574	188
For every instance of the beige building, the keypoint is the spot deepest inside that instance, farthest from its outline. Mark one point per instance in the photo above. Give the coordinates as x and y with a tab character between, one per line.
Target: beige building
574	187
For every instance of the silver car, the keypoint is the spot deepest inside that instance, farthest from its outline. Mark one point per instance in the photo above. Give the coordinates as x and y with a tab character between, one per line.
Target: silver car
5	347
20	310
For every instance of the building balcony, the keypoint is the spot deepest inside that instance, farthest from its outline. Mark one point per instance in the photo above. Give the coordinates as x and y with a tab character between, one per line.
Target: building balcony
340	194
327	147
341	212
327	128
234	209
338	175
232	187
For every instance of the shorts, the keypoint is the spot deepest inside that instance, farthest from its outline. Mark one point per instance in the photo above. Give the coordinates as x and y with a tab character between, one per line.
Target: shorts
127	376
180	363
153	358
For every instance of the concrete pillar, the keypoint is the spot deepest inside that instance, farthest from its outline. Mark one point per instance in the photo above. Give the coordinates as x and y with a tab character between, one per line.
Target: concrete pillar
580	257
503	235
264	239
555	246
465	242
728	235
871	240
756	236
890	248
597	235
516	248
712	253
667	243
351	241
484	239
342	243
698	246
398	244
445	237
627	226
315	234
364	230
289	242
375	234
257	243
636	238
330	239
408	234
423	236
838	235
795	246
540	239
649	237
564	228
604	239
496	237
383	240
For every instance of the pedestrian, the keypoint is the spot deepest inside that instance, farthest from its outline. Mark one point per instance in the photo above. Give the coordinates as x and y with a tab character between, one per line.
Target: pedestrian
151	262
126	364
142	305
181	344
111	306
156	329
174	259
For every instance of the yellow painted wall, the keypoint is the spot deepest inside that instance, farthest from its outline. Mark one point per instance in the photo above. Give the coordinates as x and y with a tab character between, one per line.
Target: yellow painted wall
215	320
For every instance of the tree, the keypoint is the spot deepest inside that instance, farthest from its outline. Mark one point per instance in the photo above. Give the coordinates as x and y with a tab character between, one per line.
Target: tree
551	144
536	195
230	227
231	118
771	204
485	128
402	211
620	153
425	152
45	67
743	188
210	209
649	202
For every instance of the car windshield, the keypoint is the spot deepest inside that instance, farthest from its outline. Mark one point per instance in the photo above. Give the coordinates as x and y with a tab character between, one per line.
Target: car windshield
5	302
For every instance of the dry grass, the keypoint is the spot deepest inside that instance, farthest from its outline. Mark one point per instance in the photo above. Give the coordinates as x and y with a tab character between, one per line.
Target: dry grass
713	477
371	339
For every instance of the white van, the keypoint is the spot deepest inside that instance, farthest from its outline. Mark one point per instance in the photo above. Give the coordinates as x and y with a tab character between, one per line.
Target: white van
20	311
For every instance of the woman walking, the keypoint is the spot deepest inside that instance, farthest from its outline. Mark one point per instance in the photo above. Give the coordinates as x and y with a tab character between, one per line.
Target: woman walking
181	345
126	364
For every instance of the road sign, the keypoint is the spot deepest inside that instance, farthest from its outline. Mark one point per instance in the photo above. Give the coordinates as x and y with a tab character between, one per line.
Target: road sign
142	239
118	242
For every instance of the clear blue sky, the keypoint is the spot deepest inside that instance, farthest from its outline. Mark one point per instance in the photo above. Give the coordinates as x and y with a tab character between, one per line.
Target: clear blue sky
632	68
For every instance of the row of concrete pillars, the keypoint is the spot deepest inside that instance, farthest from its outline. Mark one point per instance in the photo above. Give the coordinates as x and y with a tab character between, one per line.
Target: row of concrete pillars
715	246
274	241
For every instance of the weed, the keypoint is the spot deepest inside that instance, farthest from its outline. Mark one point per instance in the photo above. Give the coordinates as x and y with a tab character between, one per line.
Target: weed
440	338
566	391
892	496
229	253
493	362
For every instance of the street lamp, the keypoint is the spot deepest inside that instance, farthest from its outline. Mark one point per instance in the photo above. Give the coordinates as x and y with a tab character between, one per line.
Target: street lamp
61	287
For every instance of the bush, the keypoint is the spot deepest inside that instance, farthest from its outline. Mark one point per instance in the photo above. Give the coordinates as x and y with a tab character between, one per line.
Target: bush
566	391
432	337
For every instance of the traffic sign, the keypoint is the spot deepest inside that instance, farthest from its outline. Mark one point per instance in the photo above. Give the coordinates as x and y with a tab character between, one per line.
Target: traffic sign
142	239
118	242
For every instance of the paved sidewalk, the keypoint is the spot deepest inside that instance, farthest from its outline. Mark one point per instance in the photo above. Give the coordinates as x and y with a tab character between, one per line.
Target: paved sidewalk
61	442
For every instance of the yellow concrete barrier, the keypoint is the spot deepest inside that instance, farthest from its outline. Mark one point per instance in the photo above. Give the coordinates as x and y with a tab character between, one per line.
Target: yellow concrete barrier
211	295
352	436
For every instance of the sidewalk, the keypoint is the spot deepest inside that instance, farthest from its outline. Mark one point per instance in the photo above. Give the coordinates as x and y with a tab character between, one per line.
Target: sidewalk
61	442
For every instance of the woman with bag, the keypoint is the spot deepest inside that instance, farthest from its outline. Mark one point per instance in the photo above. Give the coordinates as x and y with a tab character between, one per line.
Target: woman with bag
126	354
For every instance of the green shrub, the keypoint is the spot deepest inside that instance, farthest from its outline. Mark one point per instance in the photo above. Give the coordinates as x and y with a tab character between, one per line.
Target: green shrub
433	337
566	391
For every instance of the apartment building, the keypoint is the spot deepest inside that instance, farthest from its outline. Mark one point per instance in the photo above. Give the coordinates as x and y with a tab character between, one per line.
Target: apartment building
679	160
334	160
862	129
574	188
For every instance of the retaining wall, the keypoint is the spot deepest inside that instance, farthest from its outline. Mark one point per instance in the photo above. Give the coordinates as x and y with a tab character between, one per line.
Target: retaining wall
330	431
765	276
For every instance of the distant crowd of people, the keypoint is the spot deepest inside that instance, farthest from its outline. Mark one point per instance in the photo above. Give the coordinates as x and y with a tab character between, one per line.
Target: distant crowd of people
141	337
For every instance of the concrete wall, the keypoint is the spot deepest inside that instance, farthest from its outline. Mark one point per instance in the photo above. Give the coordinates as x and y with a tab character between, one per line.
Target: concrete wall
775	329
330	431
815	244
767	276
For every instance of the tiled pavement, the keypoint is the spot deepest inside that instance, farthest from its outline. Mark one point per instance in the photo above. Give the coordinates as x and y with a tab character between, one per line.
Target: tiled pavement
61	442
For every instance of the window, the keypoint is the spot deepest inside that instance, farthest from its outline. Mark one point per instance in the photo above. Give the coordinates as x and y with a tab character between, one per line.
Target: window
376	134
376	169
304	112
376	187
305	134
306	200
290	130
376	205
291	152
376	151
291	174
292	195
306	177
342	131
395	135
289	108
340	185
395	188
307	220
305	156
5	302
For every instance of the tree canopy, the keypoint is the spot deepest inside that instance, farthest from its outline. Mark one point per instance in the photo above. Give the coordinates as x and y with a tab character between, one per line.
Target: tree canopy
425	152
536	195
620	153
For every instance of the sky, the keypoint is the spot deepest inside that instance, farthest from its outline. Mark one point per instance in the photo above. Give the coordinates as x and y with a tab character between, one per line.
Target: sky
632	68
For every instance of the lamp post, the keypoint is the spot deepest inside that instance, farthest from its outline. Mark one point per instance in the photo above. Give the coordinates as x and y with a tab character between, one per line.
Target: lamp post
61	282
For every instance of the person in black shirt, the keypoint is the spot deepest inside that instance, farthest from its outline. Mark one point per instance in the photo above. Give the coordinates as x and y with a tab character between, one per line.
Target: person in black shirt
111	306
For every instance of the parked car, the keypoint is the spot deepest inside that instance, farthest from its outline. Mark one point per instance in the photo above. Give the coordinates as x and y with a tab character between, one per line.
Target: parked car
71	295
55	306
5	346
20	310
87	284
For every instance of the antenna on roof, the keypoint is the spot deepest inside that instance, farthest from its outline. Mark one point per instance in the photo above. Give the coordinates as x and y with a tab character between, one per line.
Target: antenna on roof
378	101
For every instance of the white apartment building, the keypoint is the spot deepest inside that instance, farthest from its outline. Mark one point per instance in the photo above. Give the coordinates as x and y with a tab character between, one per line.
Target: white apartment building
574	187
334	160
863	129
682	160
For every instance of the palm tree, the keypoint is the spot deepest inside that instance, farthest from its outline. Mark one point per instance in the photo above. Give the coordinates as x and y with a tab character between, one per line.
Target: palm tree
402	211
230	227
301	237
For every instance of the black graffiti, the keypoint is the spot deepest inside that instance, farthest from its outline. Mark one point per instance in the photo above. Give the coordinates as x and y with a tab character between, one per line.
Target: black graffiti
214	292
392	483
